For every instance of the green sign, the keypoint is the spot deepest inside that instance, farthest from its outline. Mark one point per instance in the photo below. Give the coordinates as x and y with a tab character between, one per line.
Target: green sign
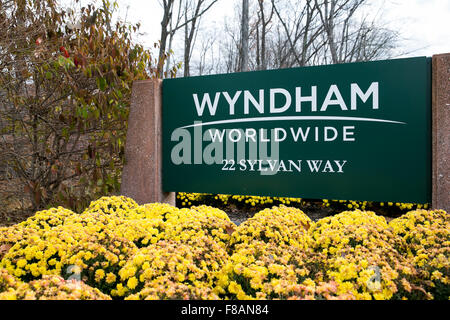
359	131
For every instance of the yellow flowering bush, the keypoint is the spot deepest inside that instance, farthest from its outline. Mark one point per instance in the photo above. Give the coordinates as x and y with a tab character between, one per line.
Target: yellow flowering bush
42	221
94	223
250	202
365	205
53	288
199	222
10	235
189	199
281	225
426	242
163	288
114	205
153	210
47	219
118	249
62	249
349	228
7	281
38	255
211	212
142	225
309	290
150	223
142	232
260	270
194	263
354	249
99	259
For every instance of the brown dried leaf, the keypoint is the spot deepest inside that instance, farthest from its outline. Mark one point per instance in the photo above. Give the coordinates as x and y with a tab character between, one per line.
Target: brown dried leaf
27	189
4	248
229	229
37	196
305	226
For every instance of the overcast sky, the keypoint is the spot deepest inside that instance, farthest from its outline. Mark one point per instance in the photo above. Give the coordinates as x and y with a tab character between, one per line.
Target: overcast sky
423	24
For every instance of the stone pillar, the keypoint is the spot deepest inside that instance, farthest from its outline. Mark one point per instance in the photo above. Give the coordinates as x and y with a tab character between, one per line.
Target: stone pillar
441	132
142	173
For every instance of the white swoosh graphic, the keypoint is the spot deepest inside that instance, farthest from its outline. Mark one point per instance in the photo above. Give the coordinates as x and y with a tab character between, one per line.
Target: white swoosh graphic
290	118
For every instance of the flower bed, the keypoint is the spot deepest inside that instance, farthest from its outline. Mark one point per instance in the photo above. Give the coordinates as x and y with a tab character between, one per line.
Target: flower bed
117	249
257	202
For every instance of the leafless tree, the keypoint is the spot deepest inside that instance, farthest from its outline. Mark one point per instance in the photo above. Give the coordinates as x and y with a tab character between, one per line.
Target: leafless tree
171	34
165	29
209	57
244	37
230	45
263	22
292	33
297	45
350	36
168	28
193	15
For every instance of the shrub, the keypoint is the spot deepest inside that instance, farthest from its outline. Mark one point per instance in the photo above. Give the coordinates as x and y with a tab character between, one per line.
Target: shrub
35	225
165	289
47	219
7	281
157	251
199	222
38	255
348	229
153	210
195	263
354	250
70	250
53	288
119	206
261	270
281	225
426	242
142	232
98	260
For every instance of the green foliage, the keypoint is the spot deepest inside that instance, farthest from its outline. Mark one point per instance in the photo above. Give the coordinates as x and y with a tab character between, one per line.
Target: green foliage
65	88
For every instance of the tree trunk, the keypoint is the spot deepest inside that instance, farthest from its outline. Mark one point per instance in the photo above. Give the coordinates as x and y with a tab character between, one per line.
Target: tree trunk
244	36
164	33
329	27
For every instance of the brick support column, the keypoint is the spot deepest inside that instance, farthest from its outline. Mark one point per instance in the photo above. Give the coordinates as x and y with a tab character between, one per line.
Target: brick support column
142	173
441	132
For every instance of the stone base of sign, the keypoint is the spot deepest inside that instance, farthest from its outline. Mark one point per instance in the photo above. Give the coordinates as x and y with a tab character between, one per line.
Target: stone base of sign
142	173
441	132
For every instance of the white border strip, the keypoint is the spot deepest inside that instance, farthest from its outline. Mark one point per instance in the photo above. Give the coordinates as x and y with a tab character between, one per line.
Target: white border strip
296	118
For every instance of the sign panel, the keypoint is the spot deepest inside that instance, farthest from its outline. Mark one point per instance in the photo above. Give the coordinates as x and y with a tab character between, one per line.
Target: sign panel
359	131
